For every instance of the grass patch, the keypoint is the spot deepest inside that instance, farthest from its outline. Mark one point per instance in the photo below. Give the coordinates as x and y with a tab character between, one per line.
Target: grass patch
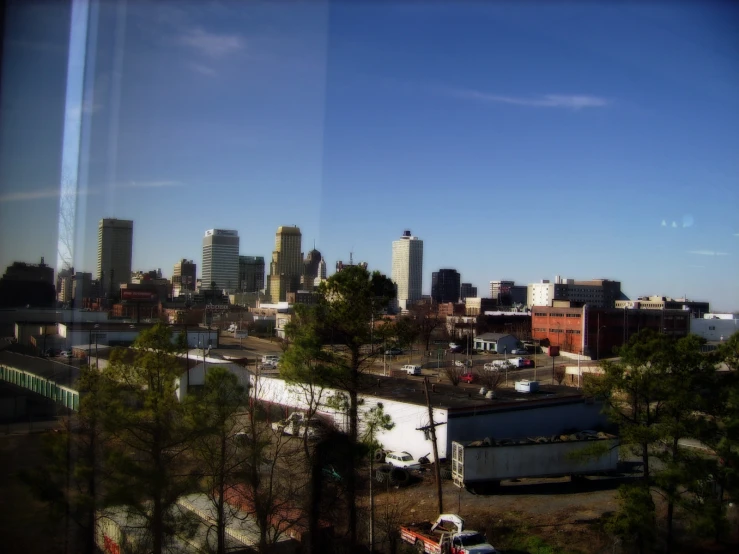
516	533
533	545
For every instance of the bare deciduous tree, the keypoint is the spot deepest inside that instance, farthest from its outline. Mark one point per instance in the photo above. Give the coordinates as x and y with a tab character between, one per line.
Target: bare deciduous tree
559	374
454	372
491	379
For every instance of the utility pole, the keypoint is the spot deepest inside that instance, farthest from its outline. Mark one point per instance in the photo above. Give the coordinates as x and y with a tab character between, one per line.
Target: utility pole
432	429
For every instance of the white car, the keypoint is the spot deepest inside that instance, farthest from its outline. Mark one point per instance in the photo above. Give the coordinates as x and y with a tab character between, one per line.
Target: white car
66	354
463	363
519	351
401	459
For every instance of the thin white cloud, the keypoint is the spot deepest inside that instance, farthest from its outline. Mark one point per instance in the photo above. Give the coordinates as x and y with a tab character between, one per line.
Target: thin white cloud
150	184
674	224
569	101
664	223
707	253
203	69
29	195
688	221
40	194
736	234
213	45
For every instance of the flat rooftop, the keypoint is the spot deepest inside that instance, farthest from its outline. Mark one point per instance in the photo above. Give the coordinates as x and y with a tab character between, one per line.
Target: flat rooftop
463	397
101	326
57	371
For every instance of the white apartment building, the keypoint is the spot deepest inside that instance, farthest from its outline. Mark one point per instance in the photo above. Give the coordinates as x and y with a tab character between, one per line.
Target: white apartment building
220	260
407	270
540	294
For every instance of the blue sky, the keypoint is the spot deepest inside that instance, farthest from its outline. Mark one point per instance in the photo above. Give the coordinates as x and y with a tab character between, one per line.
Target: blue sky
519	141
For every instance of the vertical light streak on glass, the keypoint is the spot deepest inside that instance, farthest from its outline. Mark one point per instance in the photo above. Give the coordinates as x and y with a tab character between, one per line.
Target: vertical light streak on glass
89	106
73	108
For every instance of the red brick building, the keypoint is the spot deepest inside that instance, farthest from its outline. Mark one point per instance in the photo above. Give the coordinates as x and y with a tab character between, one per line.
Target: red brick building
450	308
597	332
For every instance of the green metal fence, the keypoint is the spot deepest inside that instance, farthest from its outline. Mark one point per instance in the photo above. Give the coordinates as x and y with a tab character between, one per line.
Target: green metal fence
69	398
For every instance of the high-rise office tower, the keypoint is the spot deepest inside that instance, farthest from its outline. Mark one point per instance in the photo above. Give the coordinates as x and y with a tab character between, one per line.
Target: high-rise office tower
81	288
251	273
64	285
445	285
115	250
183	277
500	291
407	271
220	260
466	290
312	269
286	267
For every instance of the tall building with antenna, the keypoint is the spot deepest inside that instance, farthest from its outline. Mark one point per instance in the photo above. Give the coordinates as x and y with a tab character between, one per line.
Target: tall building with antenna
312	269
407	270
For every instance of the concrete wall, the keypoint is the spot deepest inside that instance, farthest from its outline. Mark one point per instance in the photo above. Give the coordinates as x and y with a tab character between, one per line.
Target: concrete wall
407	417
197	375
105	336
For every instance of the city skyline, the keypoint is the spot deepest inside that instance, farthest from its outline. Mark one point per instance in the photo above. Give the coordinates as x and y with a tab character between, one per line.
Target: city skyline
521	142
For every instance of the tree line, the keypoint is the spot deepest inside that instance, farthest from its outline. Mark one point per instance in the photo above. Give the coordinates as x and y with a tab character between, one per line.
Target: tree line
134	450
677	411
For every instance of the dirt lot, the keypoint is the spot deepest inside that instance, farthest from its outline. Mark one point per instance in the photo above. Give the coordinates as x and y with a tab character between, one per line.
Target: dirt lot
532	515
535	516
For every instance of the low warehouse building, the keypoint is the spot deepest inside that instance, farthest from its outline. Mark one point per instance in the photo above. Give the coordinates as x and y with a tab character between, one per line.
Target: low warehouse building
460	413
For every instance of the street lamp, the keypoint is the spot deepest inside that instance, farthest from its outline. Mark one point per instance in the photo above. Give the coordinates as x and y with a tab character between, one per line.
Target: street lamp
89	345
505	363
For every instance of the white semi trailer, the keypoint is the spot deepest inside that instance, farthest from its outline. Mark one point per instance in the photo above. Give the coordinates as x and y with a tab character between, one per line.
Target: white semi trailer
481	464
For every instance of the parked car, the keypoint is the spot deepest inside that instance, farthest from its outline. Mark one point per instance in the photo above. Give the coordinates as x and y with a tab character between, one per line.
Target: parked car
519	351
393	352
469	377
528	363
497	365
66	354
401	459
463	363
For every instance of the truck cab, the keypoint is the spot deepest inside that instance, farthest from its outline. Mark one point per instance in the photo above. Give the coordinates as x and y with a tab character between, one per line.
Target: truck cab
446	535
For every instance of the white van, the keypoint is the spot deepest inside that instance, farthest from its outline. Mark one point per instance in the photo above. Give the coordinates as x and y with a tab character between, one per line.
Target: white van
411	369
